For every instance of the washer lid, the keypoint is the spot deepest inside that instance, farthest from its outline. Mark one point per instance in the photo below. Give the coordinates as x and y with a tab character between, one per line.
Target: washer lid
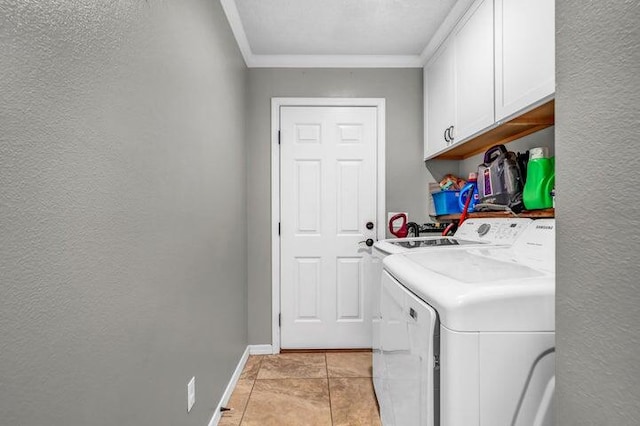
475	291
477	266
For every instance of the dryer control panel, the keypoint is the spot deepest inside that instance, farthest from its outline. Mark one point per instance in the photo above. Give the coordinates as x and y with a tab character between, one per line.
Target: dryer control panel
492	230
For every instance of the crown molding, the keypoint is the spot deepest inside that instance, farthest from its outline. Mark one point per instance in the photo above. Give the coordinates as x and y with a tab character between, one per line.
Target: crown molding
334	61
450	21
341	61
233	16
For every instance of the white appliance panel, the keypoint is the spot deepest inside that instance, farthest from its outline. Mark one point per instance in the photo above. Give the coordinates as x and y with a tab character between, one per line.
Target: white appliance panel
536	404
459	378
505	361
407	334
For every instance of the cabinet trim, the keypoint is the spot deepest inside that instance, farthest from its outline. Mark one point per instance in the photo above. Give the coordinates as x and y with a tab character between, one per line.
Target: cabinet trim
531	121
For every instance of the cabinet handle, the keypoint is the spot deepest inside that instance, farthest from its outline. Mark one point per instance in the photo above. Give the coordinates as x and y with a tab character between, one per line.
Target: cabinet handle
448	135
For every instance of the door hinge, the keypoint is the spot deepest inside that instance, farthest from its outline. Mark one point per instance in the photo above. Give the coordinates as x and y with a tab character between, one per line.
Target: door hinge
278	228
279	320
278	137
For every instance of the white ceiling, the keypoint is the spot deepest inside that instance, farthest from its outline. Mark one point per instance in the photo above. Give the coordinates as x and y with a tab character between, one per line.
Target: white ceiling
317	33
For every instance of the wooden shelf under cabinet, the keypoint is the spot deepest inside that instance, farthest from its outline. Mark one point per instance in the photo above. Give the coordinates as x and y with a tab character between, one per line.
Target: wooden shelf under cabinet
530	122
533	214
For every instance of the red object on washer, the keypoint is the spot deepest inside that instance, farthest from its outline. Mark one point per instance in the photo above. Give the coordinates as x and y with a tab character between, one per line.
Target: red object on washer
402	232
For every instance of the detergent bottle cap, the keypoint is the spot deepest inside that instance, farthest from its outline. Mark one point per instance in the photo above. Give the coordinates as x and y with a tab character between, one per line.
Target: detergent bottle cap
536	153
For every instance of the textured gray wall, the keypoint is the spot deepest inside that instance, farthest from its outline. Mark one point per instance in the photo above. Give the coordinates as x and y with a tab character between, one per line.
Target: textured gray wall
598	256
122	211
406	176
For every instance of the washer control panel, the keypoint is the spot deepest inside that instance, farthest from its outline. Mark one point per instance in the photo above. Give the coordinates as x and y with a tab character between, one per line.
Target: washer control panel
492	230
484	229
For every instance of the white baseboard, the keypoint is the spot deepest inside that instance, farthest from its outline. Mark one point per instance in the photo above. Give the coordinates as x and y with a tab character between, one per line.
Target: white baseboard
230	387
261	349
250	350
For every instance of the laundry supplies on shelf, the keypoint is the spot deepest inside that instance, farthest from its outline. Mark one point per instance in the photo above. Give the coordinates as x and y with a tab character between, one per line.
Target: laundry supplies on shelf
499	181
540	180
470	189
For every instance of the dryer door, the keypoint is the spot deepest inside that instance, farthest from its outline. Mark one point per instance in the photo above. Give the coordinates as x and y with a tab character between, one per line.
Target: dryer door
407	337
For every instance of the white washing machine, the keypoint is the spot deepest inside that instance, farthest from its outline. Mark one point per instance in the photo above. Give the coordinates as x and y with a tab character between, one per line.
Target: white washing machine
468	336
472	233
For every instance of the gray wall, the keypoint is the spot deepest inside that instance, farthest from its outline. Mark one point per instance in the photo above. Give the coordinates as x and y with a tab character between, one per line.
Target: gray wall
406	176
598	291
122	211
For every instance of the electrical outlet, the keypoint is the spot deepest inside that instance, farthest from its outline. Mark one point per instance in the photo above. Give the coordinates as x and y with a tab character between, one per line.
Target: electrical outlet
191	393
396	224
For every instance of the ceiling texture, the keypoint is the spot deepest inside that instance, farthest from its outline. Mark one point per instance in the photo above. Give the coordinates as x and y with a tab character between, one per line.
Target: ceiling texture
341	33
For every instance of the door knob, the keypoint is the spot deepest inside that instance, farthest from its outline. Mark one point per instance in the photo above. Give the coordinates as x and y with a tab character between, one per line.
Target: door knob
369	225
368	242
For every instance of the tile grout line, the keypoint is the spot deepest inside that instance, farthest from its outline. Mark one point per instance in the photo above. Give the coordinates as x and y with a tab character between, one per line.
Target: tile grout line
326	366
244	410
250	392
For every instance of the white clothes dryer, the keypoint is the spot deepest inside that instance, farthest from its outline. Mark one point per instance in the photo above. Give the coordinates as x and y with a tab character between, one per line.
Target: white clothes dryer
468	336
472	233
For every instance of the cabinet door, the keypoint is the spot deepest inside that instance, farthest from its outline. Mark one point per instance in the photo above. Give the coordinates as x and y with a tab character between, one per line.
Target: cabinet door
525	54
473	44
439	100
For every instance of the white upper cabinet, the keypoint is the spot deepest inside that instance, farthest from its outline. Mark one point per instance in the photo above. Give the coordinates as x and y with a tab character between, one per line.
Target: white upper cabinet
524	54
496	64
439	85
473	46
459	82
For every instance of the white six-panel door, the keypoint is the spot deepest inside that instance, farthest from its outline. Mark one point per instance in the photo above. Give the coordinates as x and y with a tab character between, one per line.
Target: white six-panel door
327	195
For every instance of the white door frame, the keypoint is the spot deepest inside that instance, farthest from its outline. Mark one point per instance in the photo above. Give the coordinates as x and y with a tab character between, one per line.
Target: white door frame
276	103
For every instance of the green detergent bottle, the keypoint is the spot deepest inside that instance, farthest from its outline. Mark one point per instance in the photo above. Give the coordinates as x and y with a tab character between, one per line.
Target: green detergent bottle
541	179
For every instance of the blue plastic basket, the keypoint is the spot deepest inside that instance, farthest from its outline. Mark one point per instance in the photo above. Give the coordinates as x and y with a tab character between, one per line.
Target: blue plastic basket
446	202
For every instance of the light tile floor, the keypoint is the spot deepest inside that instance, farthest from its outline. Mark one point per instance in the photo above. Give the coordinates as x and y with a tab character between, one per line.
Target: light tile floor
304	389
